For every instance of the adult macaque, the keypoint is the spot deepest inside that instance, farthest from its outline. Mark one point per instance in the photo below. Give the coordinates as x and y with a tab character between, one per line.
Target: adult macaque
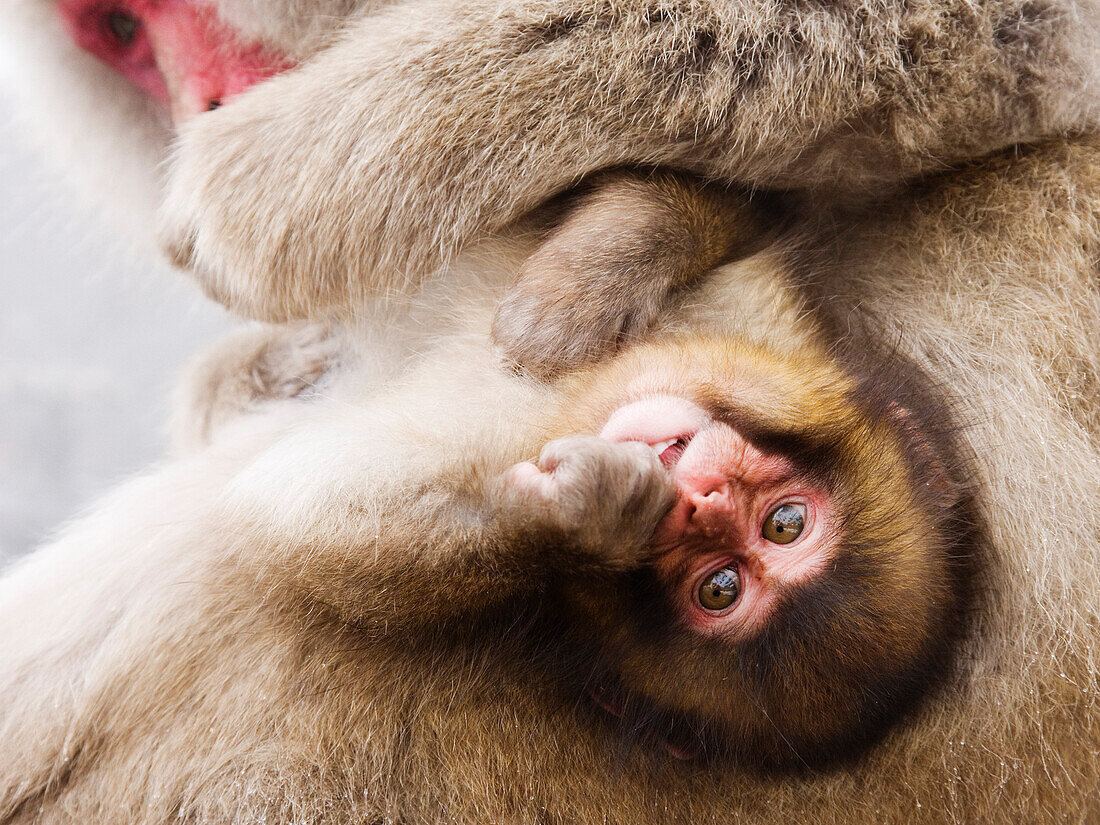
416	126
734	547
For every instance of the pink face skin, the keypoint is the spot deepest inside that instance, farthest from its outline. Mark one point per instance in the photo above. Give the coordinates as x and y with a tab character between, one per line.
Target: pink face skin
177	51
726	490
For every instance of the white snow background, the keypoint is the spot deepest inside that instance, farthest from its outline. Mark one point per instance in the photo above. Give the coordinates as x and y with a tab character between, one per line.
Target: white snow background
90	340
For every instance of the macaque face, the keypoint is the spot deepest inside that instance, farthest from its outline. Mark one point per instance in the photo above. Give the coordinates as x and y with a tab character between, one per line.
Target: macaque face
177	51
747	525
805	587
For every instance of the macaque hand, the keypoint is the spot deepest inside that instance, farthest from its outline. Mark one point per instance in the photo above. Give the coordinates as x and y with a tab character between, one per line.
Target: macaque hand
603	498
224	218
295	360
246	370
284	217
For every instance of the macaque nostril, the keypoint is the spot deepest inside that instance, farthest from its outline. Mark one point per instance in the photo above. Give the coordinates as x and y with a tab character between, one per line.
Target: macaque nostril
213	103
690	511
709	500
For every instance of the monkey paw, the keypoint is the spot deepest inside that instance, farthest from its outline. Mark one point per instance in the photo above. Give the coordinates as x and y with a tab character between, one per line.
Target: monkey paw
604	498
217	220
294	360
245	370
551	320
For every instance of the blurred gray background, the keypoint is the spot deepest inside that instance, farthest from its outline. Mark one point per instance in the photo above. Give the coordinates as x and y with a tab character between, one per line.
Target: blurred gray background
90	338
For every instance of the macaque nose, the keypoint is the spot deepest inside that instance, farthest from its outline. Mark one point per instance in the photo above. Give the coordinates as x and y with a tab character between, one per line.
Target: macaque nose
186	104
194	89
190	102
204	62
712	508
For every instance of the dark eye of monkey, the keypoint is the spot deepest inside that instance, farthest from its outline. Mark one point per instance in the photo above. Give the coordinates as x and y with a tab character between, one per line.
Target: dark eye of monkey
785	523
121	27
720	588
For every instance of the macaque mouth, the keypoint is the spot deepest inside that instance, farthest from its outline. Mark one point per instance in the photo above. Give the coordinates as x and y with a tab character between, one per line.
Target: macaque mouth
745	526
646	723
670	450
664	422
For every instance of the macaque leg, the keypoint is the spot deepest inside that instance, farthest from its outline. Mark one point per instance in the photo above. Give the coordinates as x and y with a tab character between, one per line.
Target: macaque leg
240	373
470	536
630	245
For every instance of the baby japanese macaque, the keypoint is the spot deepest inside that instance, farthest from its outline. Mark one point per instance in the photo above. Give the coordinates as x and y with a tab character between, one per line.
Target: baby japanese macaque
172	659
755	553
728	543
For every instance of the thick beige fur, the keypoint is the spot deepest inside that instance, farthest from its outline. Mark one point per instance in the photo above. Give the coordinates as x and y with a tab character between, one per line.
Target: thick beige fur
417	126
167	658
429	124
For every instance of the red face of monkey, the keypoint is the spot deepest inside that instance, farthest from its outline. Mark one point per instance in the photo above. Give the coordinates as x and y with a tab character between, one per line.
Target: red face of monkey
177	51
812	574
746	525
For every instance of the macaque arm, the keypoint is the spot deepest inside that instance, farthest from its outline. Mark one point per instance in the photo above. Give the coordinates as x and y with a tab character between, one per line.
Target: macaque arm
470	537
432	124
629	246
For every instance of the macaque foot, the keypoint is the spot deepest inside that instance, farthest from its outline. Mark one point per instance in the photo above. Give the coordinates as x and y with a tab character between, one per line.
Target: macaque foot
245	370
562	314
626	251
602	497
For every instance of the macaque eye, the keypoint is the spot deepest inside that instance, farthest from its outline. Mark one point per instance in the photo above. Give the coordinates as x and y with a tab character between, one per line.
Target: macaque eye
720	588
121	27
784	524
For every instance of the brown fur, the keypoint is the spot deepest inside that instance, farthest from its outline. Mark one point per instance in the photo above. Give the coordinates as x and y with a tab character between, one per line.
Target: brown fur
625	250
256	365
627	247
215	693
429	124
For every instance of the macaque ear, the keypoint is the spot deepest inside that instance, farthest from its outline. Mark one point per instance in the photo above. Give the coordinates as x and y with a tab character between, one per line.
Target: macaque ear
932	476
624	250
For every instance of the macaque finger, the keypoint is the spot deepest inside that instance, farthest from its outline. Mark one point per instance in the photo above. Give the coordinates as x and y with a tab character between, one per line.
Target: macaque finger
246	370
604	499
